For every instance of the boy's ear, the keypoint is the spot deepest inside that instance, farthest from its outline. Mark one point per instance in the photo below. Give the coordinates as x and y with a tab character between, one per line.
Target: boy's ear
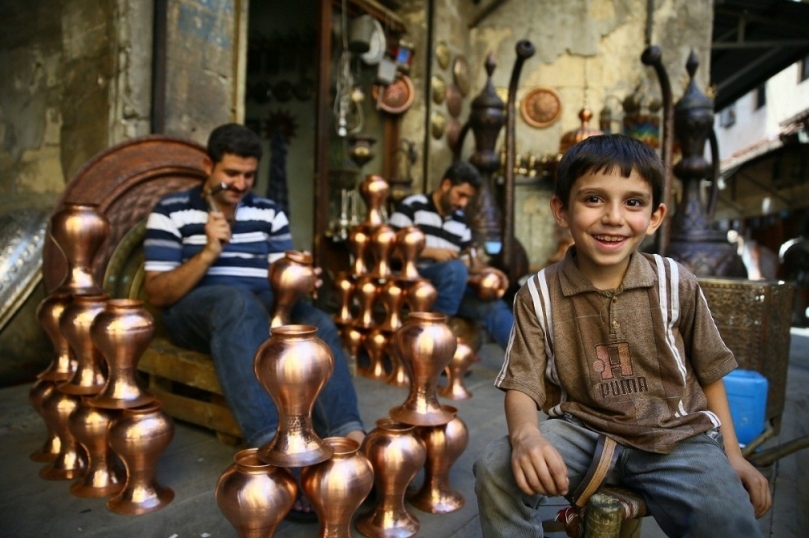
559	211
658	216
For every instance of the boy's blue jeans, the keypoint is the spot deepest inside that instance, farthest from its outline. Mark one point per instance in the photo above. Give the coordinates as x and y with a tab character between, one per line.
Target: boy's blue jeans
230	323
691	492
454	297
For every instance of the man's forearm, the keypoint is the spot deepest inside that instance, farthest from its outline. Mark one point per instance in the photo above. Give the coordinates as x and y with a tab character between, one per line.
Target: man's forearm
166	288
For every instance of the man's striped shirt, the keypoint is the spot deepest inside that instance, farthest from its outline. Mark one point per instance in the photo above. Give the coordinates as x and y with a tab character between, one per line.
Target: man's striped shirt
175	232
449	232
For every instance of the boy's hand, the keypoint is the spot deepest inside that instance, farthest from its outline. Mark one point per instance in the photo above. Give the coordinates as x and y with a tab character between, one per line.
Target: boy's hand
537	466
754	482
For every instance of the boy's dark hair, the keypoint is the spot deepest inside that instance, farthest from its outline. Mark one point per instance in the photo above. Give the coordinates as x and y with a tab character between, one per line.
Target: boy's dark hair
602	153
461	172
234	139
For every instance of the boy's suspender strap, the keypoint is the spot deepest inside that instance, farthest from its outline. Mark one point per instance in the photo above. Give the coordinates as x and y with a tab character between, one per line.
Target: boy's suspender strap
606	454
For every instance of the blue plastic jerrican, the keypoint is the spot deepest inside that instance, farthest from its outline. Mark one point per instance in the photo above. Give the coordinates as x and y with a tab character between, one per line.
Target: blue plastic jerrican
747	396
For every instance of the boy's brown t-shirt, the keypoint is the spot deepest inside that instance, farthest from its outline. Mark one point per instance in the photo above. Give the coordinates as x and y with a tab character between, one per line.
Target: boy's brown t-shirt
628	362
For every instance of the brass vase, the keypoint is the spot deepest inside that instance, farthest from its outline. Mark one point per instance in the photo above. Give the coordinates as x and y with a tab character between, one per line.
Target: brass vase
139	436
337	486
75	323
392	297
375	343
90	426
398	376
366	291
122	332
445	444
48	313
71	461
397	455
255	496
410	242
463	358
488	284
79	230
40	390
293	366
426	345
358	239
374	190
420	295
383	239
291	279
345	291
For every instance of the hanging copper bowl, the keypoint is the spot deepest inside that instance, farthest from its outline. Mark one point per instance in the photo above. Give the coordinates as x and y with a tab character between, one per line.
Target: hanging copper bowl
396	96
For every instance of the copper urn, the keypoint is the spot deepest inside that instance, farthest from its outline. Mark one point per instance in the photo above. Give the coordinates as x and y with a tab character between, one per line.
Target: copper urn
79	230
75	323
90	426
291	279
456	371
71	461
48	313
410	241
374	190
40	390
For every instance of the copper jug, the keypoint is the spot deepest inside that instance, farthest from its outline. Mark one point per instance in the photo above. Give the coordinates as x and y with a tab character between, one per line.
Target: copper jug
122	332
71	461
291	279
337	486
374	190
255	496
345	291
420	295
397	455
75	323
445	444
90	426
358	239
48	313
79	230
375	343
40	390
426	345
293	366
463	358
410	241
383	240
139	436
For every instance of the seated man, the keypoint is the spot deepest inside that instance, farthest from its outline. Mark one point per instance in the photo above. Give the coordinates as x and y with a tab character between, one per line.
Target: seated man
440	216
208	270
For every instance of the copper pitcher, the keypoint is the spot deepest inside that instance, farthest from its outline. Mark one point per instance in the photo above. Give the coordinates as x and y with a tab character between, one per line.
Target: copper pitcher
426	345
392	297
291	279
139	436
397	454
488	283
79	231
420	295
75	323
71	461
383	240
293	366
255	496
40	390
445	444
122	332
366	291
48	313
344	282
337	486
358	239
410	241
375	344
90	426
463	358
374	190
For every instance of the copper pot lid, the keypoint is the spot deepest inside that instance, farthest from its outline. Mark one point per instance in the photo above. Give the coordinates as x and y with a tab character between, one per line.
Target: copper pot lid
396	97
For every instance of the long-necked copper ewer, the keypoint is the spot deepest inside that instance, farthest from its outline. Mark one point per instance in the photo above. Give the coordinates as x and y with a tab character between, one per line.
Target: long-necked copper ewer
293	366
291	279
426	345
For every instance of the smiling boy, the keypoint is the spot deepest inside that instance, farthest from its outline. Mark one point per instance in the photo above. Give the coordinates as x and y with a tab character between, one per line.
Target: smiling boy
613	343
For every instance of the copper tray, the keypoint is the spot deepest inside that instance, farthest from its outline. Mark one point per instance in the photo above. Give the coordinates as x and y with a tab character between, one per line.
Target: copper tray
541	107
397	96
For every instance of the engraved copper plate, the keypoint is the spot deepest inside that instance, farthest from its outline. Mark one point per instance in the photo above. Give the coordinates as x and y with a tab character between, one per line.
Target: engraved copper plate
460	74
438	89
541	107
442	54
397	96
437	123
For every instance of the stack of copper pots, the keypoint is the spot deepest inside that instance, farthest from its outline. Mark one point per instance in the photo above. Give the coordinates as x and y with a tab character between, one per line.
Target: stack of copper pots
104	431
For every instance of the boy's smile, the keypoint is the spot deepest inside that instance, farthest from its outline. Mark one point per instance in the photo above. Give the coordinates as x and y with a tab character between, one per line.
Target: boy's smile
608	216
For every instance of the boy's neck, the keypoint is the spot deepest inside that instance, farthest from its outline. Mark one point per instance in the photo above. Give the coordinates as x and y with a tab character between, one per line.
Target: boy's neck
602	278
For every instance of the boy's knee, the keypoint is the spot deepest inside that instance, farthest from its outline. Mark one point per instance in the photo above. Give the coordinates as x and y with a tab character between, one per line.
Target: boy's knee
494	461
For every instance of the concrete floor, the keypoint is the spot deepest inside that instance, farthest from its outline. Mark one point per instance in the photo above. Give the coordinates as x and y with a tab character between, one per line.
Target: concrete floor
37	508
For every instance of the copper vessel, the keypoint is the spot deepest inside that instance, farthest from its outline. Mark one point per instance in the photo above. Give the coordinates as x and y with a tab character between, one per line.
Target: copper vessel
410	242
463	358
255	496
337	487
383	240
71	461
420	295
293	366
90	426
139	436
374	190
366	291
488	284
397	454
75	323
40	390
48	313
79	230
426	346
352	338
122	332
358	239
375	343
392	297
345	290
398	376
291	279
445	444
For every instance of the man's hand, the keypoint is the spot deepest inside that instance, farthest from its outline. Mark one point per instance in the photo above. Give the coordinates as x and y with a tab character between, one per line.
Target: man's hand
217	230
754	482
537	466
